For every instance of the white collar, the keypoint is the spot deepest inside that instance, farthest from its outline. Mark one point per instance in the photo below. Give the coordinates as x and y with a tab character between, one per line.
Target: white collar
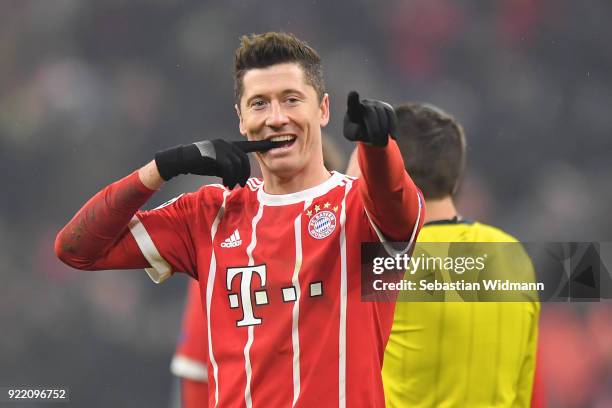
299	196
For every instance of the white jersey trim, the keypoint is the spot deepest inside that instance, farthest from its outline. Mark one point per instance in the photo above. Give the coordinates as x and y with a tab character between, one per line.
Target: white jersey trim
387	244
186	367
247	348
298	197
343	302
295	280
160	269
209	289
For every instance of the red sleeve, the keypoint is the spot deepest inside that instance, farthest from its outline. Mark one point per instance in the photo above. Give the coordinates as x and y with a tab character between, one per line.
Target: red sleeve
165	239
191	356
109	232
194	394
392	200
169	235
193	341
98	237
538	395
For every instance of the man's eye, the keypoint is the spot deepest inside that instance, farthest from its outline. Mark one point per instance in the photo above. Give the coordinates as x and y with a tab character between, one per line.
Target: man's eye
292	99
258	103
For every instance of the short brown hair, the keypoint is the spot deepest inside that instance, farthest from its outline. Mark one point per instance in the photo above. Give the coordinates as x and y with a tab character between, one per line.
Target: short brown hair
264	50
433	147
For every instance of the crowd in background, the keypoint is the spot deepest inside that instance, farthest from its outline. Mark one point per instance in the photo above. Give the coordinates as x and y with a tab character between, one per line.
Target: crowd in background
90	90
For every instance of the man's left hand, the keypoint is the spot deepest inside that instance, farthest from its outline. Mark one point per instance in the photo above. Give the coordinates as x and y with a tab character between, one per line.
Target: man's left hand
369	121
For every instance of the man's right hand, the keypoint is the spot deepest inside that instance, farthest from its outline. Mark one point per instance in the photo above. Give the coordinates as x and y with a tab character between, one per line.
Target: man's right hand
217	157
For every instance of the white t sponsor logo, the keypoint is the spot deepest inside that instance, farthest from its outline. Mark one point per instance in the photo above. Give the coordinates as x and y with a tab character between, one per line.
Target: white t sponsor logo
246	276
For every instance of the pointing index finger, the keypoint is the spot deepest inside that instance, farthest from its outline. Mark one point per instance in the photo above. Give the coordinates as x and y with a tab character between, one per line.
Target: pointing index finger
255	146
354	107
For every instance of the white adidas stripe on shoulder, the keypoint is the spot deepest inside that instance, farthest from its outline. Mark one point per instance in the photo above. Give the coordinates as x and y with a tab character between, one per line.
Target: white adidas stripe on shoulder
254	184
345	179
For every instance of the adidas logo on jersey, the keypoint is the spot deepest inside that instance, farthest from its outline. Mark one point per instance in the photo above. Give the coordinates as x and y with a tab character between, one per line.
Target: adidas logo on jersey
233	241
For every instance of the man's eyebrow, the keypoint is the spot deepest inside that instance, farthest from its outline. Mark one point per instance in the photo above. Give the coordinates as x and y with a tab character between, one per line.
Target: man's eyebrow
283	93
291	91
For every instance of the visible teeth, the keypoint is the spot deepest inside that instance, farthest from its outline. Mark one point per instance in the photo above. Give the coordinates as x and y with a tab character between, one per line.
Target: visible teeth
283	138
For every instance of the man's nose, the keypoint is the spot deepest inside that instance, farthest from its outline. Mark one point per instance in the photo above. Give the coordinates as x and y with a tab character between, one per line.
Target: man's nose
277	117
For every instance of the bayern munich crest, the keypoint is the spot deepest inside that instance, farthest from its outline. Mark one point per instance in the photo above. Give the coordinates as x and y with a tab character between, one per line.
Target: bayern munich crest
322	224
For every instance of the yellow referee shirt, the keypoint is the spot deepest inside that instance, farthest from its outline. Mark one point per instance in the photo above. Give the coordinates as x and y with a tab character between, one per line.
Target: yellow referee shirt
461	354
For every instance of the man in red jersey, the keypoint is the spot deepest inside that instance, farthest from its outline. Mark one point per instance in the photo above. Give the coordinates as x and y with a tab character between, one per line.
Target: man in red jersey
278	260
190	360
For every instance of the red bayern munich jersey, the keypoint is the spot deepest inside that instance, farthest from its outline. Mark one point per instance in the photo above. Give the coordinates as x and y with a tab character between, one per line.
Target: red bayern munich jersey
280	280
190	357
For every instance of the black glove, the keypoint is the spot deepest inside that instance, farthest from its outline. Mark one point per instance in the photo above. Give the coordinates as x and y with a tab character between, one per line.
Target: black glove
218	157
368	121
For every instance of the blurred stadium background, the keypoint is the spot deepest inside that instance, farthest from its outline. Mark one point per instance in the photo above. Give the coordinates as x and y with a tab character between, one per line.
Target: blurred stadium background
89	90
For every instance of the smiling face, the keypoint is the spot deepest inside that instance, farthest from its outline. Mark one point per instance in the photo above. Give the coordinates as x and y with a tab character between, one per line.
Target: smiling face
278	104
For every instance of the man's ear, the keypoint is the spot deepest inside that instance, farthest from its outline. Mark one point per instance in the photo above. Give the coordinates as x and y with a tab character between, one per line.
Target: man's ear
240	121
324	108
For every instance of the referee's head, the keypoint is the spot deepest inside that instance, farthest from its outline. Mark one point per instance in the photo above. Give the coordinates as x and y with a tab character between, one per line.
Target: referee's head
433	148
